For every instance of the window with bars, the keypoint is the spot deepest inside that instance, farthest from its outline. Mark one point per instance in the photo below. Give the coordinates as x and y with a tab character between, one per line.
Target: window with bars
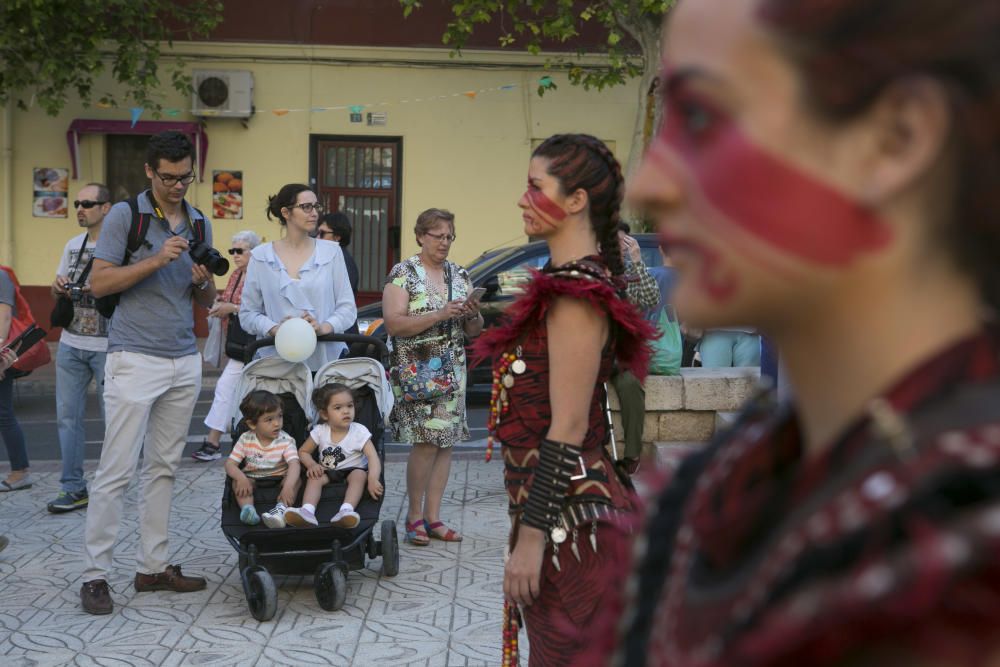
361	179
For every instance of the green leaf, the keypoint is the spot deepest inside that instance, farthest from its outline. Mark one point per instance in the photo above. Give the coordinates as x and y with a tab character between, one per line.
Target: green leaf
53	49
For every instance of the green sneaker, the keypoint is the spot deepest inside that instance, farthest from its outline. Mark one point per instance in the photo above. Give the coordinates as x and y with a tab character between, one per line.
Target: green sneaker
67	501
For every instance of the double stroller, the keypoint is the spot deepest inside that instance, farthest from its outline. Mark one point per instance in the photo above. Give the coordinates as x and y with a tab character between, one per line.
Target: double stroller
328	552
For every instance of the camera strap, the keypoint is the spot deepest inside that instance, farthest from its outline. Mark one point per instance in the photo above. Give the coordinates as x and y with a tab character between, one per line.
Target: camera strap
79	254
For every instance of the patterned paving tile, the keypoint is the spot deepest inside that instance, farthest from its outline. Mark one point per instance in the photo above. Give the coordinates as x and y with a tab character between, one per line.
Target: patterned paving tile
444	607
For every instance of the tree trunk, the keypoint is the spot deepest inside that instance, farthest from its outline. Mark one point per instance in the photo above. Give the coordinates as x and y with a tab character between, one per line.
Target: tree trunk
649	109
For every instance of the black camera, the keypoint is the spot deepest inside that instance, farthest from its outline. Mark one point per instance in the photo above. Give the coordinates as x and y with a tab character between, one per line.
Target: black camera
209	257
75	292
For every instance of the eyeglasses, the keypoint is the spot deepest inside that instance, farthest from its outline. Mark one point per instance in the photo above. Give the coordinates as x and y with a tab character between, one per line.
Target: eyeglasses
86	203
324	234
309	207
237	251
447	238
171	181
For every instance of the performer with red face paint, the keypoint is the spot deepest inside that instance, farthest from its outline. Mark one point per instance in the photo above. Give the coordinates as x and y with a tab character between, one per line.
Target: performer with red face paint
827	172
551	357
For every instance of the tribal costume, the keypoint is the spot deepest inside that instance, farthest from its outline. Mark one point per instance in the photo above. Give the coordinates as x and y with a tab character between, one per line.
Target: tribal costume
588	493
880	550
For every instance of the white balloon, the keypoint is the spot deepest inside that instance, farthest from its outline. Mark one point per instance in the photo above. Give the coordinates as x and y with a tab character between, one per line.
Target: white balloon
295	340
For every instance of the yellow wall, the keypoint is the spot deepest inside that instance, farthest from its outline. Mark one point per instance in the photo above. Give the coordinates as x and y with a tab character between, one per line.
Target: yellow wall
469	156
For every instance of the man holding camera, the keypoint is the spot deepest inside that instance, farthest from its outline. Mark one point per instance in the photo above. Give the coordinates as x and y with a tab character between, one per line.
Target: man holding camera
153	370
82	346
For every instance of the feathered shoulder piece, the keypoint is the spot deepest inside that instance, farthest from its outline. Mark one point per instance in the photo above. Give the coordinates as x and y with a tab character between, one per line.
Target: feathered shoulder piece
587	279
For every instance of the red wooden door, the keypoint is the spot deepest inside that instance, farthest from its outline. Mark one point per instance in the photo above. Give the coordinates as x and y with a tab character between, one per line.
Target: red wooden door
361	180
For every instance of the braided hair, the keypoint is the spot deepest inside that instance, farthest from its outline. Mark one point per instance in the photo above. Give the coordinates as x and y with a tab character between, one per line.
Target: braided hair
581	161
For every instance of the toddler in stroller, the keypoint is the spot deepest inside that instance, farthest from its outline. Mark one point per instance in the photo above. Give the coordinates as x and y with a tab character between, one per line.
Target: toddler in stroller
346	453
266	452
328	551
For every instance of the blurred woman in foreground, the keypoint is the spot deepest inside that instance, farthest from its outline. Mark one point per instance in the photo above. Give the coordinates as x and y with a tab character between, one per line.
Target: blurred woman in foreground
827	172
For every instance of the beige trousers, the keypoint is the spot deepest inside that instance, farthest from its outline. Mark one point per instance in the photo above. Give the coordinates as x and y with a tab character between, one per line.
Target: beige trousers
144	396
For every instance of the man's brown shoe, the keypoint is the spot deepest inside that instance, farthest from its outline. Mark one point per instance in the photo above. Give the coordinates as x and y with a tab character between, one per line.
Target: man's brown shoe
170	579
95	596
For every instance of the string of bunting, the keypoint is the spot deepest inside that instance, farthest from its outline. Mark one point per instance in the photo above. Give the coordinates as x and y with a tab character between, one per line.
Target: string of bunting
544	82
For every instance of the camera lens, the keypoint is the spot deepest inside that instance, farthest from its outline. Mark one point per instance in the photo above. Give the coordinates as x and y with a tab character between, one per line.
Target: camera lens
210	258
217	264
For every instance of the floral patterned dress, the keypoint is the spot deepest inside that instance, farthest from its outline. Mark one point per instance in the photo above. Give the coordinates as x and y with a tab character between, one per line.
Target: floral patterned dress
442	421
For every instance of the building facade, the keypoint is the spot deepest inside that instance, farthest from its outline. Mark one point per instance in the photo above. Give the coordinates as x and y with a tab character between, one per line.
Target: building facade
382	131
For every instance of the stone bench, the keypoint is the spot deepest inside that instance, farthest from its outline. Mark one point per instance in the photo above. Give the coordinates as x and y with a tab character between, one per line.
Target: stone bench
686	409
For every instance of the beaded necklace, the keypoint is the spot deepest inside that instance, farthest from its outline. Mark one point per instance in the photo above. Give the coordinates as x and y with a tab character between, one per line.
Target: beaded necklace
511	628
503	379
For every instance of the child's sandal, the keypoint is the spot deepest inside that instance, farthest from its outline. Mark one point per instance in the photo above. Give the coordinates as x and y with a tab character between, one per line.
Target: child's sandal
449	535
416	534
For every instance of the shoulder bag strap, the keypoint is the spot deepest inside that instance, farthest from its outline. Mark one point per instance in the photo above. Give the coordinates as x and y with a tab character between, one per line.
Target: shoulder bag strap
446	325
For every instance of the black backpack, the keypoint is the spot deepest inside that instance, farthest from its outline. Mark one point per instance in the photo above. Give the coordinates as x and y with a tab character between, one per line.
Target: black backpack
136	238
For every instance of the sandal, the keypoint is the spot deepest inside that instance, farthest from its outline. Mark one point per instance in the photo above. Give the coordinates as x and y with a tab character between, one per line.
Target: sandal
448	536
416	533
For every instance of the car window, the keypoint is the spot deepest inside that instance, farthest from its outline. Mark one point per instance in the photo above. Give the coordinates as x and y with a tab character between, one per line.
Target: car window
486	263
651	257
513	279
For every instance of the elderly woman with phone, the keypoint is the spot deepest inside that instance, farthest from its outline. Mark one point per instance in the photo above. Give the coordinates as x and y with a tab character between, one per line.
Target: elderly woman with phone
429	308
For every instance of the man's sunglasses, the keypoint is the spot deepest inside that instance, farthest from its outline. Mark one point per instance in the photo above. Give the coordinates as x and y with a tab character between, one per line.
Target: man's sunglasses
237	251
86	203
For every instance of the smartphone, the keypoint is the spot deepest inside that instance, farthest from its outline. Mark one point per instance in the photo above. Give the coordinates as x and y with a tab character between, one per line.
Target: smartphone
477	294
25	340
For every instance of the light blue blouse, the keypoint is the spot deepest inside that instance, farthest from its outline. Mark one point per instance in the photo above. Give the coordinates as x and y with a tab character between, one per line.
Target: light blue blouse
322	290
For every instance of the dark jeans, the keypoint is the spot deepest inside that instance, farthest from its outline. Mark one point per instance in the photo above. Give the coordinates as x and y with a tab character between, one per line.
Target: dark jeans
10	429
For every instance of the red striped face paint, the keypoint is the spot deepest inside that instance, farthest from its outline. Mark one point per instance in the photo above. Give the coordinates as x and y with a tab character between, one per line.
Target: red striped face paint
770	200
545	209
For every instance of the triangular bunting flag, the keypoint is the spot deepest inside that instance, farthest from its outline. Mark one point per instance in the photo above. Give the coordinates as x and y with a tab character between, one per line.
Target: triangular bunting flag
136	113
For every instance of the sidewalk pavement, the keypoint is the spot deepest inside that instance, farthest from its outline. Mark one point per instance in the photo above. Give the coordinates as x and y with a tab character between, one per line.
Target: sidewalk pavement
443	608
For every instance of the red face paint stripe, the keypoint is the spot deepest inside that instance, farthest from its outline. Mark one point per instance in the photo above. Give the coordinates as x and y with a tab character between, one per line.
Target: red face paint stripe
750	246
772	200
544	206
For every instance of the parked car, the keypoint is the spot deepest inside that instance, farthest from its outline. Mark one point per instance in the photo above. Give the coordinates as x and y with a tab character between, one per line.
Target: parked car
502	272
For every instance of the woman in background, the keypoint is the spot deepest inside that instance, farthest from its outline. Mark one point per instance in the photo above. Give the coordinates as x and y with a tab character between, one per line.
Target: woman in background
292	277
226	308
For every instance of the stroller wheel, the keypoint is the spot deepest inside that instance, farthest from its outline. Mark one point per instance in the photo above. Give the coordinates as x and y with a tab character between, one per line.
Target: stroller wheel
390	549
331	586
262	596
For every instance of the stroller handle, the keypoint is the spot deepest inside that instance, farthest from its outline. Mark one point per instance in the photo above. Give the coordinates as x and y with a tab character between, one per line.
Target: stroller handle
383	350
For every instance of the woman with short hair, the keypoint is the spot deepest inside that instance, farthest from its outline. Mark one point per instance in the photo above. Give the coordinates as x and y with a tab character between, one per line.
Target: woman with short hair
226	308
428	313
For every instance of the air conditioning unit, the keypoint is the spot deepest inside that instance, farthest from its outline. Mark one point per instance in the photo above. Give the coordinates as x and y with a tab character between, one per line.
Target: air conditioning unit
222	93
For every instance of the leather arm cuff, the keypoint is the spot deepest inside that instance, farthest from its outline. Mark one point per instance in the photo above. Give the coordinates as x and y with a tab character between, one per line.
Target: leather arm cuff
557	462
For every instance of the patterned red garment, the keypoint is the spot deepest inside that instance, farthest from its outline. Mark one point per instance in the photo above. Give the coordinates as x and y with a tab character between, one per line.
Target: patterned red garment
882	550
558	620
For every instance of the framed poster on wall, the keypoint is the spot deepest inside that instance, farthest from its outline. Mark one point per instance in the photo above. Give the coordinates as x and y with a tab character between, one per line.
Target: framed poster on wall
227	195
51	191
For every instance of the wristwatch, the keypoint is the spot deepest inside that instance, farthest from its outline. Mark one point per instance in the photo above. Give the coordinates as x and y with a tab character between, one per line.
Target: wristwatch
203	286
